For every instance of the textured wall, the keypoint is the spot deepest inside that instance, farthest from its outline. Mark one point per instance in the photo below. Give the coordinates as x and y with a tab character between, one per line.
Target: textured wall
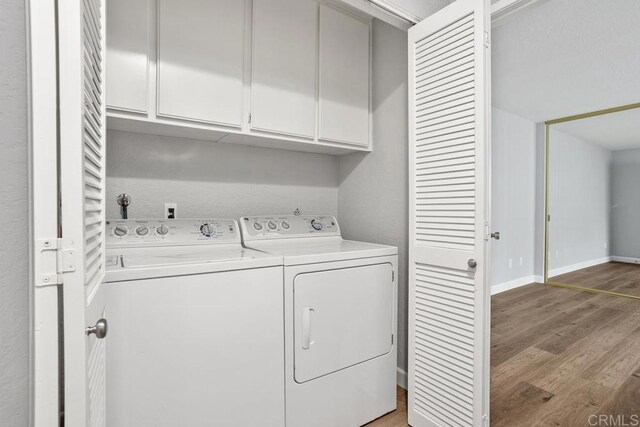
513	196
625	204
579	201
373	187
14	254
216	180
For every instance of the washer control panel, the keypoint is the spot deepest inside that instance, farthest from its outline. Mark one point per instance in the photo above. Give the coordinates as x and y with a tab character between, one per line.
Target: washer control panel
288	226
141	232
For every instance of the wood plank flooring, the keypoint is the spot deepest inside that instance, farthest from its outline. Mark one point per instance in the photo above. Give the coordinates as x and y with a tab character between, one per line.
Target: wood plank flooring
618	277
557	357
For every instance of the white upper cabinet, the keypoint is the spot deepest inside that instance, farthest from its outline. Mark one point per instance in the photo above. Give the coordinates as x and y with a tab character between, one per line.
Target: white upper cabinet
127	55
284	66
200	60
344	78
291	74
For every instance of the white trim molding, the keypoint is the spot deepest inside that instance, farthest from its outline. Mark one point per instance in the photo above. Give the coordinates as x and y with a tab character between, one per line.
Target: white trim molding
628	260
579	266
401	378
516	283
502	10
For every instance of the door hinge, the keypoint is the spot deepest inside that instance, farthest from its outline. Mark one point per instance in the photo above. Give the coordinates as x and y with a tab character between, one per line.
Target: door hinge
393	275
486	39
249	118
485	420
53	258
391	339
487	231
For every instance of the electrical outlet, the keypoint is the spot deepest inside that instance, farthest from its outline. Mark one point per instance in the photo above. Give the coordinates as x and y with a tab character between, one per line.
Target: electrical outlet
170	210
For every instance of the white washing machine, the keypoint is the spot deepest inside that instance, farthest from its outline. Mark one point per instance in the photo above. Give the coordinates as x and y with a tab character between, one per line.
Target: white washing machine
340	320
195	326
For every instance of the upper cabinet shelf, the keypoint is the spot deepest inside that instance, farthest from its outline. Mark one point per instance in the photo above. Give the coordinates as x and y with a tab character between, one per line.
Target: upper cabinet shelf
291	74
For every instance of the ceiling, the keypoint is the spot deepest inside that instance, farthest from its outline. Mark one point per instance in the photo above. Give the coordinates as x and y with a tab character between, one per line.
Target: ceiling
615	131
563	57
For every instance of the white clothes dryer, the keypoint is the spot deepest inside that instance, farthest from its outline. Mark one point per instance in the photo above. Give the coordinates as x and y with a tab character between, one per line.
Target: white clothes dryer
196	326
340	300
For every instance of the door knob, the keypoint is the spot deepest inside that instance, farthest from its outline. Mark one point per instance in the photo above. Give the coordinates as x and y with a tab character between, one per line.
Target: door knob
472	263
100	329
496	235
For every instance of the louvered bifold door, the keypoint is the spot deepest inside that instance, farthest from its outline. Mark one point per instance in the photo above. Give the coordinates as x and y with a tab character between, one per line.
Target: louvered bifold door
81	27
448	293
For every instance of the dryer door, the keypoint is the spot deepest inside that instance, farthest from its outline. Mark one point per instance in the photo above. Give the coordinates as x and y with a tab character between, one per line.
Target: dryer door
342	317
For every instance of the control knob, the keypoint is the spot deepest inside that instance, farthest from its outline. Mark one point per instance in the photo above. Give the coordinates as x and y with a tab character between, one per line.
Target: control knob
257	226
272	225
142	230
120	230
285	225
207	230
317	225
162	230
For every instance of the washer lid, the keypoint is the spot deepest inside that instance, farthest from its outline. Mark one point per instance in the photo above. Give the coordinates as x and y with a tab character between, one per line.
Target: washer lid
143	263
196	255
326	249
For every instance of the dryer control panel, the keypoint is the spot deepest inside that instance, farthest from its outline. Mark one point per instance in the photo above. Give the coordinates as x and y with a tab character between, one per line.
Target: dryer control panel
288	226
167	232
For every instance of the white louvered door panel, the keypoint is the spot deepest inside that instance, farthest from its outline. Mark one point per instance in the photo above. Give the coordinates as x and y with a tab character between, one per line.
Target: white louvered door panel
81	65
448	295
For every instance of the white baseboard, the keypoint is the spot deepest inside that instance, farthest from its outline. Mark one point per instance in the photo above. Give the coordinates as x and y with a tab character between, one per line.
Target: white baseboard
578	266
626	259
401	376
516	283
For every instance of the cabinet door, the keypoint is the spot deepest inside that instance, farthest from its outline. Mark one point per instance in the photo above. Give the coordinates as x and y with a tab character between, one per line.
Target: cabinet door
344	78
127	55
283	91
200	60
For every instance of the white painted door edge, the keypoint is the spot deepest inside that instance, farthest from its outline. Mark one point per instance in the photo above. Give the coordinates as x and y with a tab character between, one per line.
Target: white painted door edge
43	211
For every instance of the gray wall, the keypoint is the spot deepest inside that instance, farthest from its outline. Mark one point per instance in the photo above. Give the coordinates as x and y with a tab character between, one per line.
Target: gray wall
219	180
372	203
625	204
14	251
579	202
513	197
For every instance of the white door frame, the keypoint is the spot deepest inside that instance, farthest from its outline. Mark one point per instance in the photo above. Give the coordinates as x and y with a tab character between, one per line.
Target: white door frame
42	72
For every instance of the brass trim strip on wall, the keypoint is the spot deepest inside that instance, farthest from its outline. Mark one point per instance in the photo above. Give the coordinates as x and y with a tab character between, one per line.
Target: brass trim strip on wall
593	114
548	124
592	290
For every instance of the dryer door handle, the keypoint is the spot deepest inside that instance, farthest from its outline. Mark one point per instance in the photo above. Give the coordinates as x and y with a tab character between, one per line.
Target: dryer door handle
306	328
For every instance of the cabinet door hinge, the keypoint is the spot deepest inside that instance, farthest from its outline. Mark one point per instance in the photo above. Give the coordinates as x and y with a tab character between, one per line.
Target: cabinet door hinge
53	258
486	39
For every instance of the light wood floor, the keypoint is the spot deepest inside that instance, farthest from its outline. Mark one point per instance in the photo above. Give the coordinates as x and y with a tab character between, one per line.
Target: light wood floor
557	357
617	277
